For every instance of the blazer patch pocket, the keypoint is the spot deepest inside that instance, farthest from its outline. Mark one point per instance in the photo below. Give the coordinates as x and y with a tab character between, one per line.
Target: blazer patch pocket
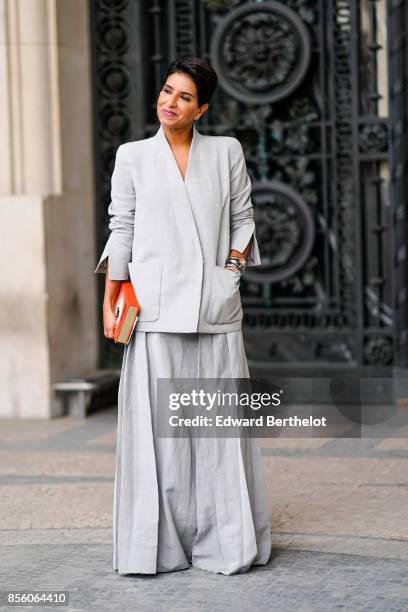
146	279
225	299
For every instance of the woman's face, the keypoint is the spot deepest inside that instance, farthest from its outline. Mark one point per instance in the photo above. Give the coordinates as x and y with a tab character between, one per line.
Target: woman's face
177	105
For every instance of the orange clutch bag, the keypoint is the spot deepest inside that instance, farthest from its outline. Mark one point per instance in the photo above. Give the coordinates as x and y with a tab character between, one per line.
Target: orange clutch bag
126	313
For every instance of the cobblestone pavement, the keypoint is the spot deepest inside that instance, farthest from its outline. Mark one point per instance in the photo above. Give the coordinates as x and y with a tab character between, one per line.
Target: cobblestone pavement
339	517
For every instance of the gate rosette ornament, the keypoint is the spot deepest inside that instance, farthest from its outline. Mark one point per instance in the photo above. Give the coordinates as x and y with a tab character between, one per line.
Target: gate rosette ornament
285	231
261	52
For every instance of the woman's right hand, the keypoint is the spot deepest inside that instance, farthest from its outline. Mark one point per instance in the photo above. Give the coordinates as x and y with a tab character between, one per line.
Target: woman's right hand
109	320
112	288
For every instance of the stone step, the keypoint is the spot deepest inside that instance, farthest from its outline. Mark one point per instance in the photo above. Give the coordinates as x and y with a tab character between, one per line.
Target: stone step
81	396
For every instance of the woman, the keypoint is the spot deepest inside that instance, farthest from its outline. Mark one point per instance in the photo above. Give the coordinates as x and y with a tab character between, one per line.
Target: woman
180	209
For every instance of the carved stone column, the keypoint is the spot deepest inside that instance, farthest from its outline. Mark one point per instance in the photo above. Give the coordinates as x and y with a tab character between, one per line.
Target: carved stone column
47	288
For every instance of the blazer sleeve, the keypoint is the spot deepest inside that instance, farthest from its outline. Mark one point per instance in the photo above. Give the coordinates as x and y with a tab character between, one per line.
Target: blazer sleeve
121	210
242	224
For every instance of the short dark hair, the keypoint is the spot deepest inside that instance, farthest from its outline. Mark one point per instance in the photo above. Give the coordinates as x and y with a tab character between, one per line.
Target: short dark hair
200	71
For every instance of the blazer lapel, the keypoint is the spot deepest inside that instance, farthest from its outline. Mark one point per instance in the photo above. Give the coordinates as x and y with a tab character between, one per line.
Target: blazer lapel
161	137
177	187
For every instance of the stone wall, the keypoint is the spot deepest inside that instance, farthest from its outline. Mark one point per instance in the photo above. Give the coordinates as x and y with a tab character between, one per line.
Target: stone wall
48	311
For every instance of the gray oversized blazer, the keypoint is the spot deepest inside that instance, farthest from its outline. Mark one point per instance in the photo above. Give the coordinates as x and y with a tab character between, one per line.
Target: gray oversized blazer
172	236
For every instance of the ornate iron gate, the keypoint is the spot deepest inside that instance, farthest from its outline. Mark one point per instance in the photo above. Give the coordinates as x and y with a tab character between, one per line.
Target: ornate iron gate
303	85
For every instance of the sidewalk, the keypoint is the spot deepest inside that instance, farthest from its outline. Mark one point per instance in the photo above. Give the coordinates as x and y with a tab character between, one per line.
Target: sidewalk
339	513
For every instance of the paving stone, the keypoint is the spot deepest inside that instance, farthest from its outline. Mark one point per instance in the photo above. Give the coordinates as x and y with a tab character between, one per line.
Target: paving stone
339	511
293	580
